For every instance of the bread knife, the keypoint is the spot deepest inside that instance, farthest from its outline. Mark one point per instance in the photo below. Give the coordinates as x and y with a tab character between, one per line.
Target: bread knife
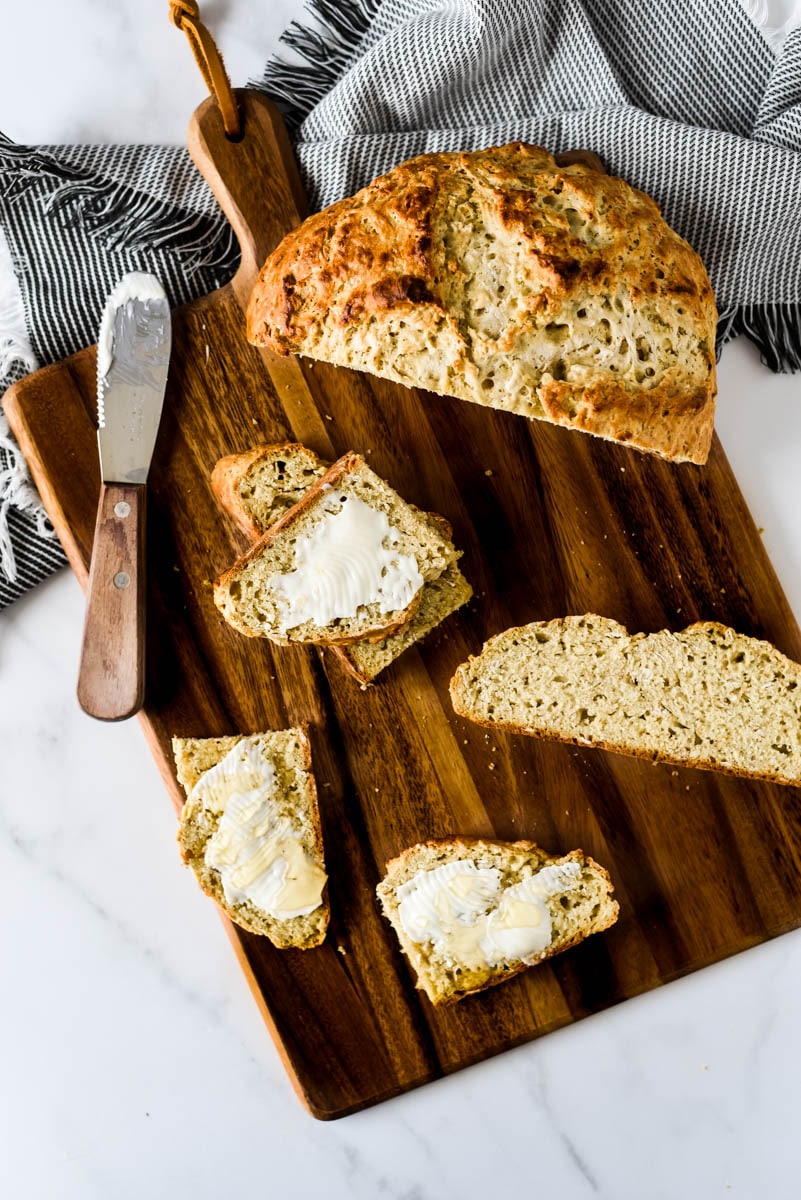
133	356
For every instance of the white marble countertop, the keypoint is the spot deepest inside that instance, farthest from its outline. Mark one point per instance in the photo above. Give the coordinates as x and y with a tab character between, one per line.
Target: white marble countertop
133	1060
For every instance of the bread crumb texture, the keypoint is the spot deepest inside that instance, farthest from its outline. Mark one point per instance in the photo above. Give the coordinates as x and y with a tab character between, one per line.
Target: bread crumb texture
556	292
259	485
294	802
248	596
706	697
446	969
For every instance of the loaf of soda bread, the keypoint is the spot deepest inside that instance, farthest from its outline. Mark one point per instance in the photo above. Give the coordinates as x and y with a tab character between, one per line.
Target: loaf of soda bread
501	277
705	697
471	913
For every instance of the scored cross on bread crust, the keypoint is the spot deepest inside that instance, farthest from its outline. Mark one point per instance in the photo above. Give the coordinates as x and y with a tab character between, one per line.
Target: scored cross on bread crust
503	278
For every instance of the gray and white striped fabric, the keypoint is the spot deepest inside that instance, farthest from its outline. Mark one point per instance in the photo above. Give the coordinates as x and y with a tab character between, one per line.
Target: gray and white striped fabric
684	98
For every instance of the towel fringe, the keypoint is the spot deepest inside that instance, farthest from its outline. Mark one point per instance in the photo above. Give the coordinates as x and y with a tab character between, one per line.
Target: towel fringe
774	328
123	218
326	48
117	214
16	359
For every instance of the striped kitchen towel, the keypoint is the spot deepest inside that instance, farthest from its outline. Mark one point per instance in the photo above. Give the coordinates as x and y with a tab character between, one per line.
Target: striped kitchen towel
686	99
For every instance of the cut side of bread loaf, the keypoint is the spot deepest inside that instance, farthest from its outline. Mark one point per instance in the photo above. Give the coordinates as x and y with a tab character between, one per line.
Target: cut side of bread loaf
705	697
470	913
347	562
499	276
254	488
250	831
259	485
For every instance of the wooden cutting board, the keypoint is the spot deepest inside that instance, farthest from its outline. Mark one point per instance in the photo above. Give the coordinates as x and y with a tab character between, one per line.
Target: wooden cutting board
551	522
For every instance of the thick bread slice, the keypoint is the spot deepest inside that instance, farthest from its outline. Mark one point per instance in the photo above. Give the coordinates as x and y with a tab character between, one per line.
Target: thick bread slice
556	292
256	488
289	754
705	697
448	971
259	485
247	594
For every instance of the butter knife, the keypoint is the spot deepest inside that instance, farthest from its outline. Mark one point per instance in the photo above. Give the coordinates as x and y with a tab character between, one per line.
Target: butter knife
132	362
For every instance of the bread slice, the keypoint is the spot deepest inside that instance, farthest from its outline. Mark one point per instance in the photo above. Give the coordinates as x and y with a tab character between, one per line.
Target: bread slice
353	597
464	930
222	778
259	485
256	488
440	597
705	697
499	276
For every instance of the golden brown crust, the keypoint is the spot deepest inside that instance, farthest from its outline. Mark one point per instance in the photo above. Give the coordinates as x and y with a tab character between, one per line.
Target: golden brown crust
349	281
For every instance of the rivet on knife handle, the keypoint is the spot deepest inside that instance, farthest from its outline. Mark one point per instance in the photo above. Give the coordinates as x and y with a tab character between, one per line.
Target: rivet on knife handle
111	679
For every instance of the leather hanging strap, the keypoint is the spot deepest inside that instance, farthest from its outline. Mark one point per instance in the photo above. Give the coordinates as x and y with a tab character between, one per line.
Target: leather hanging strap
186	15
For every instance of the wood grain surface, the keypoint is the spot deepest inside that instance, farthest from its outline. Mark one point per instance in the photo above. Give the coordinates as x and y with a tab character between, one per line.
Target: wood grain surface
551	522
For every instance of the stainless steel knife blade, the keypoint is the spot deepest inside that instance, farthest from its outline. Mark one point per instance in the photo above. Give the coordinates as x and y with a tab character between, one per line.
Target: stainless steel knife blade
133	356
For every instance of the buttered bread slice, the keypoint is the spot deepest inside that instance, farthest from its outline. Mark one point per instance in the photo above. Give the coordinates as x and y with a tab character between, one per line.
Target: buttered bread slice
349	561
257	486
470	913
250	831
706	697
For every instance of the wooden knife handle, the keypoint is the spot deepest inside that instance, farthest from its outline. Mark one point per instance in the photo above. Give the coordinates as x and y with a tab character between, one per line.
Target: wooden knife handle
111	678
